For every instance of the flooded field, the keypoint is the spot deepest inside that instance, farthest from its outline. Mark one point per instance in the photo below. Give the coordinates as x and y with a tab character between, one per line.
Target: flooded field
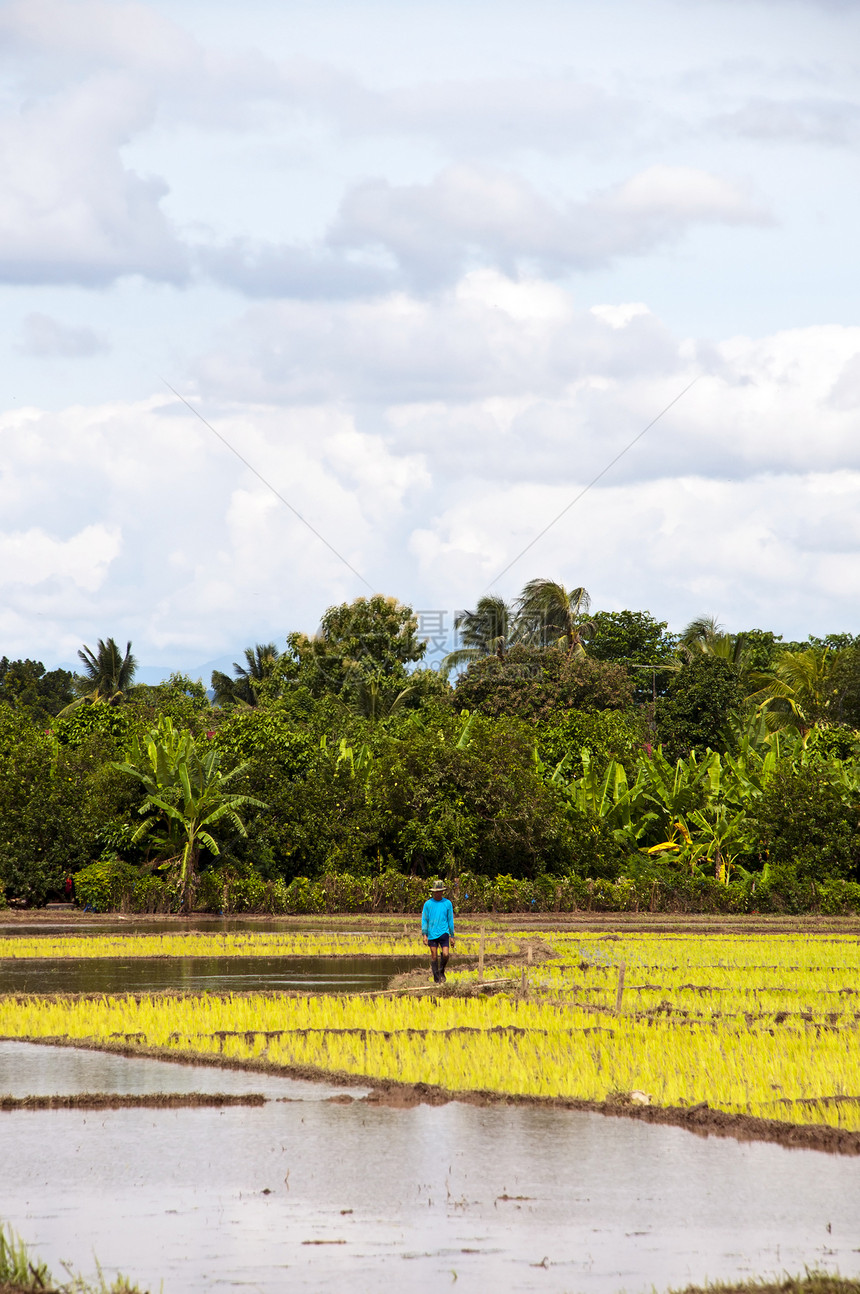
315	1186
201	974
311	1194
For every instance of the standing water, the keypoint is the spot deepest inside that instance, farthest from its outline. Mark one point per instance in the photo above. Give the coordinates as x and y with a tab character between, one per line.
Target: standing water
313	1195
201	974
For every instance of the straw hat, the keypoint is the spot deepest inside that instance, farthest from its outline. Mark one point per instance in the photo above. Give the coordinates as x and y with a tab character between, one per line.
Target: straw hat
437	887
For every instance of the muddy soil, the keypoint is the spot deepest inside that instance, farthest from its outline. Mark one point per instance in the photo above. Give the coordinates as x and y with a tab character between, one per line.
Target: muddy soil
36	920
126	1101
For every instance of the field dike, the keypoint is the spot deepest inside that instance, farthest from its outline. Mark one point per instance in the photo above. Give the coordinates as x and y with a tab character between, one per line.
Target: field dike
130	1101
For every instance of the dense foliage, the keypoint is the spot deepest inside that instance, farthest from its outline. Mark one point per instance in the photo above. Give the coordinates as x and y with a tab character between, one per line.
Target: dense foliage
574	759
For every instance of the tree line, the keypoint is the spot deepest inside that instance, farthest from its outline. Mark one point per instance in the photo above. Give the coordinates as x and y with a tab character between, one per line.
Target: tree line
555	748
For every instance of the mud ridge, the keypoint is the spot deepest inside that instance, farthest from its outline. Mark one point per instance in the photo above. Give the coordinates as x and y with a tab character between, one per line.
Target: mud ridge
700	1119
126	1101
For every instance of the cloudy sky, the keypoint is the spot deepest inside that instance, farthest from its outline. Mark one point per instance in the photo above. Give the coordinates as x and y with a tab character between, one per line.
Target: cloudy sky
428	269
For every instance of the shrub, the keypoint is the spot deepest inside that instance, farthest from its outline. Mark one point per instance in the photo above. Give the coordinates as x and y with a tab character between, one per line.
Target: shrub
807	823
151	894
103	886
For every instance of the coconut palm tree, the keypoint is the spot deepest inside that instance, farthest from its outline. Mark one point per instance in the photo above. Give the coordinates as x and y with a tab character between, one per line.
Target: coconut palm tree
242	690
705	637
489	630
797	691
107	676
548	614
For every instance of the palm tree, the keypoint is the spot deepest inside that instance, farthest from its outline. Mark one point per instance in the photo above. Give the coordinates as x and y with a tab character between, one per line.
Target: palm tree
374	701
548	614
704	637
242	690
107	675
489	630
797	691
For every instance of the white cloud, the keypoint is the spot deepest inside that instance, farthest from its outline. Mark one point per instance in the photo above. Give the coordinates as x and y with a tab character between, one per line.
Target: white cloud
32	557
428	479
70	211
45	337
489	336
756	553
807	120
474	213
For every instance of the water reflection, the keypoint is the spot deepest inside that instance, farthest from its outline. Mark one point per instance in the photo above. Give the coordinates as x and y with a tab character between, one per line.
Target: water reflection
514	1199
210	974
27	1069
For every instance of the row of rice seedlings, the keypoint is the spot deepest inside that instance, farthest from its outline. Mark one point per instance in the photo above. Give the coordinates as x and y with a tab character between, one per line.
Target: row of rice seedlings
822	1005
681	951
530	1049
669	957
818	997
237	944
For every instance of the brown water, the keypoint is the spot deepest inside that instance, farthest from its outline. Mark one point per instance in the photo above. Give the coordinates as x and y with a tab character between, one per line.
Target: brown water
314	1196
196	974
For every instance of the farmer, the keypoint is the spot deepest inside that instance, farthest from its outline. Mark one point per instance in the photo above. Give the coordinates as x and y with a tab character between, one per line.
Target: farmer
437	927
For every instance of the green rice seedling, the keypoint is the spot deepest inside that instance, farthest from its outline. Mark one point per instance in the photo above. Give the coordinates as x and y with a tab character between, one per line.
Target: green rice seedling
756	1025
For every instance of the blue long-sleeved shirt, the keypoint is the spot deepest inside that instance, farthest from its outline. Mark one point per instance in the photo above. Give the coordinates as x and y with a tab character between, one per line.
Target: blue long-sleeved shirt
437	918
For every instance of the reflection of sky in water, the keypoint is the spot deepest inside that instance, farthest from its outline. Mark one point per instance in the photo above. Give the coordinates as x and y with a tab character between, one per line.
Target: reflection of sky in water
28	1069
213	974
610	1203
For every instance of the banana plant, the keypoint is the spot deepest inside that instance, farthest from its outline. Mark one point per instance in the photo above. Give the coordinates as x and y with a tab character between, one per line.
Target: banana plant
357	761
186	792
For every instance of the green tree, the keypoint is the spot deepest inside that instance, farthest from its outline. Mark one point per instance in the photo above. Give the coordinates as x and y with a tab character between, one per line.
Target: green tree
641	644
798	691
108	674
808	822
762	647
186	796
27	685
548	614
56	802
845	683
180	698
450	797
704	637
537	683
372	637
489	630
605	734
245	688
699	701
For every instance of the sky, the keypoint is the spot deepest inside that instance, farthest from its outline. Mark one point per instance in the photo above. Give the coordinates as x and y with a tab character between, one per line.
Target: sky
425	271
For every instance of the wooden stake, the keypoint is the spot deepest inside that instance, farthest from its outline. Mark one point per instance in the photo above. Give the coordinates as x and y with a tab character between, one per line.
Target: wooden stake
620	993
481	958
530	954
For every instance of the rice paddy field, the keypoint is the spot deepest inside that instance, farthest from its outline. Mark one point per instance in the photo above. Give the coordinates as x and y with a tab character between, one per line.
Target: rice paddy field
760	1024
